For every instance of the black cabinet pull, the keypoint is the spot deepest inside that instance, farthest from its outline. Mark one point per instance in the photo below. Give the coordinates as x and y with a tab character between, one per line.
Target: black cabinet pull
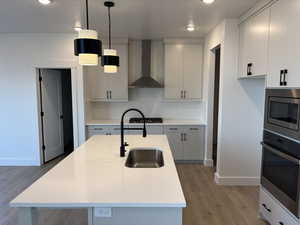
264	205
285	72
281	223
249	66
281	78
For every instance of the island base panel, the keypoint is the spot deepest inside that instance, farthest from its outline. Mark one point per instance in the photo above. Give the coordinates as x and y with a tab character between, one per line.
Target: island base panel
28	216
139	216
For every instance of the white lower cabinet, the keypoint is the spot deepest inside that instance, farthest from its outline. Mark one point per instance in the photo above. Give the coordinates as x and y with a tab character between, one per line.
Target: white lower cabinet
272	211
175	138
186	142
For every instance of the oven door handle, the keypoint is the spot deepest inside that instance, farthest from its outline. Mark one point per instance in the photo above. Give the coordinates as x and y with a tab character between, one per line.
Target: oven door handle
284	155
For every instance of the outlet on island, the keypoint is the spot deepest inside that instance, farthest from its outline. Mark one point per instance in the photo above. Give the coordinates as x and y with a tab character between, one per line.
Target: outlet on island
102	212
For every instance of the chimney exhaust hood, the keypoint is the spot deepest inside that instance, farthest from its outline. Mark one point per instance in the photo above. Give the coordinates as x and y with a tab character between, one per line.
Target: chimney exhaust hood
146	80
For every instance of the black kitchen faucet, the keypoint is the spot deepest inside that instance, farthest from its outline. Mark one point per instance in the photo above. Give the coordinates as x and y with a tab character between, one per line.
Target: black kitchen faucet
124	144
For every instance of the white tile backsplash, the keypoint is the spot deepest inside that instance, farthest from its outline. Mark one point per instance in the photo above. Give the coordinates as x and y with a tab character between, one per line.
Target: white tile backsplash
151	103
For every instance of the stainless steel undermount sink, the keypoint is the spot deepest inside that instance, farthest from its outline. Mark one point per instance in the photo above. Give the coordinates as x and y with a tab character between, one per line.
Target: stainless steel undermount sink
145	158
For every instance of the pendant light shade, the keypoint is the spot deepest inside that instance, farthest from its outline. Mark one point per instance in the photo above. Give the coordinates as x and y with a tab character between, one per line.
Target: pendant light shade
110	58
87	46
110	61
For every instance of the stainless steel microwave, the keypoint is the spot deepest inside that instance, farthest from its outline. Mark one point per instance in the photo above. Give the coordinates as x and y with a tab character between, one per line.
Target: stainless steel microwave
282	112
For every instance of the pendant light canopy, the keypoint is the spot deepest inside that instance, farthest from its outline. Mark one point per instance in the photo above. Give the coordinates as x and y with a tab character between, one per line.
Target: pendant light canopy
110	59
87	46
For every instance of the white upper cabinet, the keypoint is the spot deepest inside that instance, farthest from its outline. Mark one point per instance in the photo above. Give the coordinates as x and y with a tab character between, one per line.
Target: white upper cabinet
284	51
183	71
254	37
109	87
173	72
192	71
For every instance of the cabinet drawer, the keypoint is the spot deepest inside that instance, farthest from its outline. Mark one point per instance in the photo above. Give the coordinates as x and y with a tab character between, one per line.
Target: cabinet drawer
173	129
195	128
97	128
282	217
266	206
151	129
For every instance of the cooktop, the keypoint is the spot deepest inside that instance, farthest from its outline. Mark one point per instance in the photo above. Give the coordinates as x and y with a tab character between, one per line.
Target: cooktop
148	120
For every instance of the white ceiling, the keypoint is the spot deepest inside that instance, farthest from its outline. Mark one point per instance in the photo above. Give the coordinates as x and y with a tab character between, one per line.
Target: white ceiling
130	18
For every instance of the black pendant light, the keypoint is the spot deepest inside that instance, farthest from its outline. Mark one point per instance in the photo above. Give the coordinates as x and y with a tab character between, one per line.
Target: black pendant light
87	46
110	59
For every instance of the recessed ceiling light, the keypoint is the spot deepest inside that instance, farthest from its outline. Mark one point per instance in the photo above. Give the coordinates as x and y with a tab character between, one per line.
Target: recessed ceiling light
208	1
190	28
45	2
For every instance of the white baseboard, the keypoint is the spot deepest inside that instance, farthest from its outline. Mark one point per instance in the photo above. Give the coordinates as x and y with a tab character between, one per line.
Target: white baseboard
208	163
237	181
18	162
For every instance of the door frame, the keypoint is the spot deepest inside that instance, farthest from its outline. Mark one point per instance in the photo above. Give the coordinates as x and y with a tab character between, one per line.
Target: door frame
77	102
216	107
210	105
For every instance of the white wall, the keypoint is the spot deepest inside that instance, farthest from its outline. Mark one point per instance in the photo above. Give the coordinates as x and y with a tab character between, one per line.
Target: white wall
19	56
151	102
240	111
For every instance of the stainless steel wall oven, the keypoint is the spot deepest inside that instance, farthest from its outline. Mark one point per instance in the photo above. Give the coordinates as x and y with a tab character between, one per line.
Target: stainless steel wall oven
280	173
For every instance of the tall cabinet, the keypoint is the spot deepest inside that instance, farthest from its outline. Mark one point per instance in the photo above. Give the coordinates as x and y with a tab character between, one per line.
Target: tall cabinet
183	70
109	87
284	51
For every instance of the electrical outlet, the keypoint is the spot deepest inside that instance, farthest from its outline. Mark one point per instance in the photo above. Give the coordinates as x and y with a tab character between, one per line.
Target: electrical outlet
102	212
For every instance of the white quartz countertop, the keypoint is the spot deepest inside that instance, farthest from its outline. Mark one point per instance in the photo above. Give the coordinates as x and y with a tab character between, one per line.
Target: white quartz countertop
94	175
165	122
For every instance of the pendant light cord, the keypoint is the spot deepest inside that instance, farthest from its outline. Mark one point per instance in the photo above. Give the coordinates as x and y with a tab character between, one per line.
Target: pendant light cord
87	14
109	29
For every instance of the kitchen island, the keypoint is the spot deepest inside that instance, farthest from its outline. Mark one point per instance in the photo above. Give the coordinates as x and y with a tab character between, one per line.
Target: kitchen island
95	177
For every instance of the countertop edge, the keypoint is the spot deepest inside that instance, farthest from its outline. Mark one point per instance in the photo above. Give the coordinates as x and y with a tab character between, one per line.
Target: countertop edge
109	205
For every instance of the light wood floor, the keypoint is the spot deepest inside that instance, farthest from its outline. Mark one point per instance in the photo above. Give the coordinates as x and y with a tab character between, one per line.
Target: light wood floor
211	204
208	203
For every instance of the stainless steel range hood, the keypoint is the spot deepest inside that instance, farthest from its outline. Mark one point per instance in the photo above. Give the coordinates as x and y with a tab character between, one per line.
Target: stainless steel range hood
146	81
